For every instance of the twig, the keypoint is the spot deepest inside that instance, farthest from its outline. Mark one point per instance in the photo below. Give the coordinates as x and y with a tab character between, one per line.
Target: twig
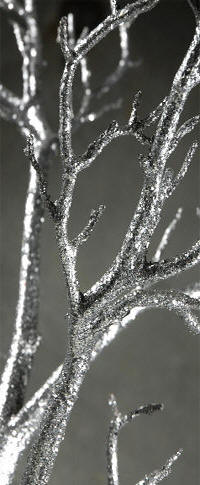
117	423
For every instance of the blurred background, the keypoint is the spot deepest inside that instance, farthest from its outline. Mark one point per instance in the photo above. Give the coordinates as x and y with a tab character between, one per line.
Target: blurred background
156	358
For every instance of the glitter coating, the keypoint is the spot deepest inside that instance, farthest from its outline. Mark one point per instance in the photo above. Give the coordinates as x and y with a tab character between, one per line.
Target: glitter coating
97	316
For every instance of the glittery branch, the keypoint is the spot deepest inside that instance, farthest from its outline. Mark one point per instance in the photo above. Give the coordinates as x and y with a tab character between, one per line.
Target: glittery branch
25	340
181	174
30	153
96	147
98	315
167	234
185	79
117	423
106	137
156	187
186	128
195	6
21	429
124	61
52	429
136	102
80	50
64	37
173	266
159	475
131	11
28	42
172	300
155	114
89	228
85	79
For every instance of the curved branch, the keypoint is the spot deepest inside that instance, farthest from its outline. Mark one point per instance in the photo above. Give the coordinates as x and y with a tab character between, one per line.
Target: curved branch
172	300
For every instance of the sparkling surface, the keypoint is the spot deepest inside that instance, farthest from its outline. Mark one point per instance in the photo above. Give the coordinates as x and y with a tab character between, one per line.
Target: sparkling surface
96	317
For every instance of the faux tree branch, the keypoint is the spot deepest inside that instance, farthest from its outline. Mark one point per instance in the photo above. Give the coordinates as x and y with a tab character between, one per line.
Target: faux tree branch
95	317
159	475
25	340
117	423
157	183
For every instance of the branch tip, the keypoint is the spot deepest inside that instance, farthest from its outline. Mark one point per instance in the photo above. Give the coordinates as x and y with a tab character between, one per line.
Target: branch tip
135	105
90	226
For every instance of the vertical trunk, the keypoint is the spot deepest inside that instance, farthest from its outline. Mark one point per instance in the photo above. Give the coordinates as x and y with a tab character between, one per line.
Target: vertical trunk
52	430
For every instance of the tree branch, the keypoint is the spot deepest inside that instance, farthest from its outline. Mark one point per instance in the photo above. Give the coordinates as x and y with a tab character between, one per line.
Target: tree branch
20	430
159	475
173	266
117	423
89	228
172	300
156	184
25	337
167	234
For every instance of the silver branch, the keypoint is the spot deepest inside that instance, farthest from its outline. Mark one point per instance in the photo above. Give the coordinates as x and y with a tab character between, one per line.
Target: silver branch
96	316
117	423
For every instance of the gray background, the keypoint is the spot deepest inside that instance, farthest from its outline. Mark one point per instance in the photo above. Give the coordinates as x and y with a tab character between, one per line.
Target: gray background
156	358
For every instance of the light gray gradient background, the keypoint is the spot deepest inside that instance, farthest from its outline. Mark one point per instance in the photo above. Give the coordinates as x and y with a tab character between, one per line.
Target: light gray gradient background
156	358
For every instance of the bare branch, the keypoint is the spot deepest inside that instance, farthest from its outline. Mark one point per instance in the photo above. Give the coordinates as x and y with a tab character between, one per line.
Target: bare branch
85	78
94	315
124	62
156	185
135	104
167	234
25	339
186	78
89	228
195	6
188	126
117	423
30	153
173	266
21	429
64	37
172	300
181	174
81	49
106	137
184	129
155	114
57	412
159	475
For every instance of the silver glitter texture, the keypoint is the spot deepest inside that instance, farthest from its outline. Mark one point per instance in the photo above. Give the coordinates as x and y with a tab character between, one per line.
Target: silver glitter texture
98	315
